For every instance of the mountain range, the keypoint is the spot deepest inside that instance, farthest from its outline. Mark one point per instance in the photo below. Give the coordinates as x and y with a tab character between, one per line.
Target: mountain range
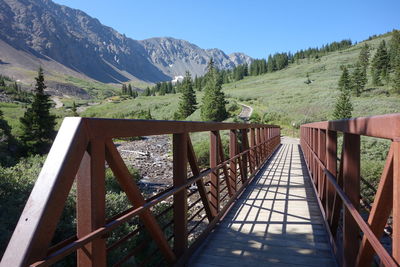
67	41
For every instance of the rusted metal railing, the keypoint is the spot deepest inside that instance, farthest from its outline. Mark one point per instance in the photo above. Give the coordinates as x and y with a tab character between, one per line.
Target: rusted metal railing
338	189
81	151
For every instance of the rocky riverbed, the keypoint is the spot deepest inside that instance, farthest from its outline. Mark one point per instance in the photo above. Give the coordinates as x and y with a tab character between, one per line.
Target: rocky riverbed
152	156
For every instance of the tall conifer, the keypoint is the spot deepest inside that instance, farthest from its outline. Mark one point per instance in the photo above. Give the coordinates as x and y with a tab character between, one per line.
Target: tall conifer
213	102
343	106
187	104
37	123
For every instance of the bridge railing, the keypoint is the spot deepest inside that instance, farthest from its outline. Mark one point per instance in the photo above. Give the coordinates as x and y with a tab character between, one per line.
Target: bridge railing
81	152
338	187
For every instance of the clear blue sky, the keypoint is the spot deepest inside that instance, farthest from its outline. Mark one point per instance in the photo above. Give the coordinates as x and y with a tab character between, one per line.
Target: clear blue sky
255	27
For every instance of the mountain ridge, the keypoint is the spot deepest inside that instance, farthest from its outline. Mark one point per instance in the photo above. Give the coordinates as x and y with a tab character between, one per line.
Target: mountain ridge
51	32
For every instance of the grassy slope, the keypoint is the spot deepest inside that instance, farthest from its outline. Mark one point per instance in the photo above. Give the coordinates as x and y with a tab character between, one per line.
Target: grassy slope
283	92
283	95
286	93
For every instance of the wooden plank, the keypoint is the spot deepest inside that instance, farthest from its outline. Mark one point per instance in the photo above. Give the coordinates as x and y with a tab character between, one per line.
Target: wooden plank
180	206
259	227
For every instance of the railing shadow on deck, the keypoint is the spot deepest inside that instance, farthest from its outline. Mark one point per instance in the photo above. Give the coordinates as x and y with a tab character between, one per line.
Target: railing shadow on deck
338	187
275	233
80	153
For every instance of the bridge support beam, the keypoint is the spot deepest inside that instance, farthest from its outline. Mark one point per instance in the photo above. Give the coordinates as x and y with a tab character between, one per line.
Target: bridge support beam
180	159
351	186
214	189
91	204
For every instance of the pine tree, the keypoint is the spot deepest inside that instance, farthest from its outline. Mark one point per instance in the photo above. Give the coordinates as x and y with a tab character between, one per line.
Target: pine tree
271	65
394	53
358	79
187	104
394	49
130	92
396	79
363	57
2	83
344	81
380	64
37	123
74	110
213	102
6	142
123	89
147	92
343	106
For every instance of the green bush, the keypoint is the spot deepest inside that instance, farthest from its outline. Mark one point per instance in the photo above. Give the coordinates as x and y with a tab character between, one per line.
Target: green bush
16	183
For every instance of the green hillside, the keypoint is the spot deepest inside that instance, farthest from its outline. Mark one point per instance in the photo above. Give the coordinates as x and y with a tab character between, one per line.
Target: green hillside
285	98
281	97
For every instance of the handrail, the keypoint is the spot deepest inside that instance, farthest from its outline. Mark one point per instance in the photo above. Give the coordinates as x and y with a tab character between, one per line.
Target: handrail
336	186
80	151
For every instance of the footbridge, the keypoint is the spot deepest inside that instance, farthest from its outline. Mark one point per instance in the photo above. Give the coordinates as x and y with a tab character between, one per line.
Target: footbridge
263	199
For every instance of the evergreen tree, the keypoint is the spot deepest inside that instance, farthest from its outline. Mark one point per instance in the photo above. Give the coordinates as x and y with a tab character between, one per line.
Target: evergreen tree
245	70
187	104
123	89
394	53
2	83
37	123
396	79
394	49
15	87
213	102
343	106
344	81
147	92
130	92
380	64
363	57
271	65
74	110
6	142
358	79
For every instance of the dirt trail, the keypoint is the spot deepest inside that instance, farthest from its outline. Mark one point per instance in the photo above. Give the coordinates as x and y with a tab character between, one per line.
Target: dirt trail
246	112
58	102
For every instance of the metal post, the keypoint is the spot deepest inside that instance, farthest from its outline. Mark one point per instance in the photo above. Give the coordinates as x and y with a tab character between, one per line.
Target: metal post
351	186
91	204
214	190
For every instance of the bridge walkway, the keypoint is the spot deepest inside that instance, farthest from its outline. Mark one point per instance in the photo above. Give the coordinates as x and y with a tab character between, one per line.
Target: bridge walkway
276	221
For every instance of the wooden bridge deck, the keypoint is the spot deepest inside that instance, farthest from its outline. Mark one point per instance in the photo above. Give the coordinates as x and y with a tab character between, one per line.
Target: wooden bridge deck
276	221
